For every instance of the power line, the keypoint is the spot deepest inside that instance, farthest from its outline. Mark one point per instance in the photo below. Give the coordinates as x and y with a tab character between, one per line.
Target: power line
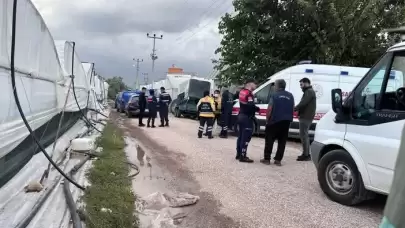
204	26
200	17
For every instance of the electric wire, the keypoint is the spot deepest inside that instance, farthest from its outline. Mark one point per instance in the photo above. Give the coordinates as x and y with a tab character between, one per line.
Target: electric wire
74	92
17	100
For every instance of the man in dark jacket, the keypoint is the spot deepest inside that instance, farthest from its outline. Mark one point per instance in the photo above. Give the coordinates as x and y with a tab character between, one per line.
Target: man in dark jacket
306	112
226	113
279	116
164	101
152	107
142	106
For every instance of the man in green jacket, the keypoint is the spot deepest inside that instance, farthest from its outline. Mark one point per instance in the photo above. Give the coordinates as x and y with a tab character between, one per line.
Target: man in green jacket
306	112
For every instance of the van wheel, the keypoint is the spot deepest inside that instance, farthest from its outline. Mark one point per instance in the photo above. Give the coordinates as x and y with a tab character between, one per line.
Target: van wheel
129	115
177	113
340	179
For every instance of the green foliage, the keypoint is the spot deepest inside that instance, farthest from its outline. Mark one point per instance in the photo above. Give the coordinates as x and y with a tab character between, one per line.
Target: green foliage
110	187
116	85
265	36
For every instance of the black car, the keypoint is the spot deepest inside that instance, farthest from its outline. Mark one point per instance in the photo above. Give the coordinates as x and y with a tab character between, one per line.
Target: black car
132	108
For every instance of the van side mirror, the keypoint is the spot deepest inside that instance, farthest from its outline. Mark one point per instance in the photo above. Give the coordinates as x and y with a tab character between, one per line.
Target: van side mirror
336	100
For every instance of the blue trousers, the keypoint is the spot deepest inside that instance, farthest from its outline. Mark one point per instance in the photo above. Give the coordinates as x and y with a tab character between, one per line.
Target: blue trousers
245	134
164	115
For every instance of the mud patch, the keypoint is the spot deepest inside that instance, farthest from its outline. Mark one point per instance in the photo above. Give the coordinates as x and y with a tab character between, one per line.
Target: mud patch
206	213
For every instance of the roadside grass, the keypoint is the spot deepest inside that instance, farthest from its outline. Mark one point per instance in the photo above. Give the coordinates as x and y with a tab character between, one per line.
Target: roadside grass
110	201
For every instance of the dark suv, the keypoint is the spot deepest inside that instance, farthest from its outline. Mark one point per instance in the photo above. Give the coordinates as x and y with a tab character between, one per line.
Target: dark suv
132	108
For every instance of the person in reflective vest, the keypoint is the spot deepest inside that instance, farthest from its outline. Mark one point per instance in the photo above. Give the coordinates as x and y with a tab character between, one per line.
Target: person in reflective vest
217	101
152	106
245	120
206	109
164	102
226	113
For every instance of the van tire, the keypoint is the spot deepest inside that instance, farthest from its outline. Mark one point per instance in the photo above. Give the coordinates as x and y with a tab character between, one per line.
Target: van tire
177	113
357	193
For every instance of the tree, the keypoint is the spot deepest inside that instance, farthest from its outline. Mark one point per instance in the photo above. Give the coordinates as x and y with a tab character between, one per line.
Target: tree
116	85
265	36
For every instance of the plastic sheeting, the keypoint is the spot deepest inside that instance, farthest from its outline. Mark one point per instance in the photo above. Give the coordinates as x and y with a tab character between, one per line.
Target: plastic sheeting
163	210
66	53
37	71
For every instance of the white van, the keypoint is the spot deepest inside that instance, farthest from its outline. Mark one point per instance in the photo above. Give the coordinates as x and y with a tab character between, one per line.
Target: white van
323	79
356	144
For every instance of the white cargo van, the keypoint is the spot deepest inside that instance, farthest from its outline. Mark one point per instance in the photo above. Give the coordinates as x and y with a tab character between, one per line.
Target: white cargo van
323	79
356	144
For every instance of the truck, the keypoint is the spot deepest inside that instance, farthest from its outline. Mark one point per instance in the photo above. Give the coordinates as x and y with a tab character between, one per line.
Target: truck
186	103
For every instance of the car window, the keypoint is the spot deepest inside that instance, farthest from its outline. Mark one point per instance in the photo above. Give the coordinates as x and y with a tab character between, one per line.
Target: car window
263	95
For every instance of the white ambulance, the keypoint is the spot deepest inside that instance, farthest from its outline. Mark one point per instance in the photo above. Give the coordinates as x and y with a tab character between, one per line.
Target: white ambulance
356	144
323	79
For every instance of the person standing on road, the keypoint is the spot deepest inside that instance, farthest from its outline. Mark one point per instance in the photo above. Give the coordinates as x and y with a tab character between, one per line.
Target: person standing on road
226	113
152	106
245	120
306	112
206	110
164	101
279	116
142	106
218	103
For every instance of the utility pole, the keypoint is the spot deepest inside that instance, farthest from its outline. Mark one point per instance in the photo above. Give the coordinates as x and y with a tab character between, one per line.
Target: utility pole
153	55
137	72
145	78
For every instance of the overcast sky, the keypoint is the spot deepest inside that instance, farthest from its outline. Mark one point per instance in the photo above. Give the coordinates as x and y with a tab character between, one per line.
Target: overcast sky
111	33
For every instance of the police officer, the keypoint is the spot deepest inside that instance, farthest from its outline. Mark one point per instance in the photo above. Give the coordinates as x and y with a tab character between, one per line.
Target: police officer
142	106
279	116
152	106
226	113
164	101
245	120
206	109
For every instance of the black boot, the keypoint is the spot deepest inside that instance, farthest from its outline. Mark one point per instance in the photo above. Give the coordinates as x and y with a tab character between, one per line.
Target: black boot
199	134
304	158
245	159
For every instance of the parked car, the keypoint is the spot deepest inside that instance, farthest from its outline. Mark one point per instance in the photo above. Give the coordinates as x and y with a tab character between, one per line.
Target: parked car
124	98
187	108
132	108
117	100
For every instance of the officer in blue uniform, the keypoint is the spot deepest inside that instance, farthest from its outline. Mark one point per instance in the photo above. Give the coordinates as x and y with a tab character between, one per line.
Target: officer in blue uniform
226	113
245	120
164	101
152	106
279	116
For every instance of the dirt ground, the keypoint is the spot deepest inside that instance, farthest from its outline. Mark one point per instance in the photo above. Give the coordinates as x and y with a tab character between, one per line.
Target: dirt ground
235	194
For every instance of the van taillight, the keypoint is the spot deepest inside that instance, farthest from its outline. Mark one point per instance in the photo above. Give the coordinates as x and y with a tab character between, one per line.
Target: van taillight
295	115
318	116
235	111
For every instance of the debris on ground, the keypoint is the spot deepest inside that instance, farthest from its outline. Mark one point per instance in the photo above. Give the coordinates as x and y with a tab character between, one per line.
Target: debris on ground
164	209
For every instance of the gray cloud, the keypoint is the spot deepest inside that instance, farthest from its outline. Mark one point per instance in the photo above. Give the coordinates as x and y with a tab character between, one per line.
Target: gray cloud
111	33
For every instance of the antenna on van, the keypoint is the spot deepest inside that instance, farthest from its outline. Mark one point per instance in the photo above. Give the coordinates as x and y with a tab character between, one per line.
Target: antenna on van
399	30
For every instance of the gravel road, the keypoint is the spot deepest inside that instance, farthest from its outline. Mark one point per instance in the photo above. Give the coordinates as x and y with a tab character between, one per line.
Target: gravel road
235	194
